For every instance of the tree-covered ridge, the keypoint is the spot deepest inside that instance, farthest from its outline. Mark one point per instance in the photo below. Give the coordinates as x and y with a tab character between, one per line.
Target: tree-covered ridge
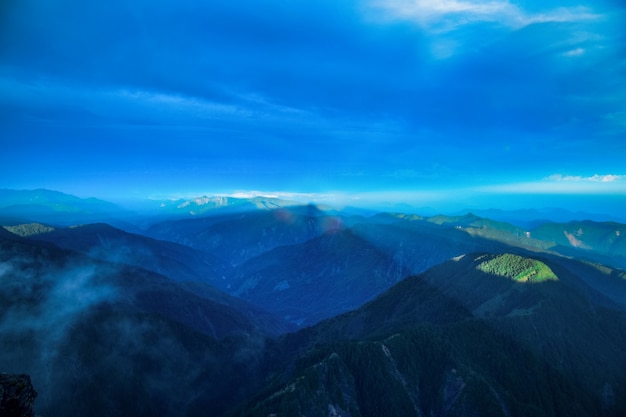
29	229
518	268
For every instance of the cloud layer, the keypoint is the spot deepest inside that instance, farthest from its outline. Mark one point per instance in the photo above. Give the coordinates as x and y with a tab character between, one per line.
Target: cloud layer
593	178
448	15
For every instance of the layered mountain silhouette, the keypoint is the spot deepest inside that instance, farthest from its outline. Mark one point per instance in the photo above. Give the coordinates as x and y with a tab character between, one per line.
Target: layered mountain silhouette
238	237
320	278
54	207
272	309
104	242
459	341
99	338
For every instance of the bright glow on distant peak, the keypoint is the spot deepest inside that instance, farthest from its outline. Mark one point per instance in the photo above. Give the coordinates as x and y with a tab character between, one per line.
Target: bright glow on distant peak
286	195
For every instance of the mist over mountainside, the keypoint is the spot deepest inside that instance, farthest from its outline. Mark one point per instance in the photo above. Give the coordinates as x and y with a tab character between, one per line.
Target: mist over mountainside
100	338
105	242
299	310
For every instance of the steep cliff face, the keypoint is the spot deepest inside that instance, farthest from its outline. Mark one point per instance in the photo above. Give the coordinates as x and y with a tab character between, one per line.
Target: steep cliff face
17	396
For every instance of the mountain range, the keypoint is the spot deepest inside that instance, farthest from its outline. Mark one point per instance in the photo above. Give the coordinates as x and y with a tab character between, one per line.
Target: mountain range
459	341
263	307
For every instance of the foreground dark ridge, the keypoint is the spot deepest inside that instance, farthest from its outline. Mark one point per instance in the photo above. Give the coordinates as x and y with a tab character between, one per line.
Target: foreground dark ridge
17	396
520	340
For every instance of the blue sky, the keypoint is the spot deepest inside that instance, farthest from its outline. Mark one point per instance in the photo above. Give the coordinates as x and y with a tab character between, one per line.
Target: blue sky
421	101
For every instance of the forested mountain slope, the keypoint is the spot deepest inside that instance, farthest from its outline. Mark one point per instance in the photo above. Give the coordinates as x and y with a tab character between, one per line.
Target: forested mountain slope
483	334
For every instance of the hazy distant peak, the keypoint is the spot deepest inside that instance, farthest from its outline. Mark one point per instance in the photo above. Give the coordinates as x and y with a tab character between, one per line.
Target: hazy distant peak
51	198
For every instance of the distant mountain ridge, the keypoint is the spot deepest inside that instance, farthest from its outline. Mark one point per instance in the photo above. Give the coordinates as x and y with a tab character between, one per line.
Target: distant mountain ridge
40	203
53	207
47	197
531	218
602	242
237	237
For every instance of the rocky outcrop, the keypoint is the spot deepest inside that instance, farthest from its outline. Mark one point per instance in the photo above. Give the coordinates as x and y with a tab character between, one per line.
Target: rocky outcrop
17	396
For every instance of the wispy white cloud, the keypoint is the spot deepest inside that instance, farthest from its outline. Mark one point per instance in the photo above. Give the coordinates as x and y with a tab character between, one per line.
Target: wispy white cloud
130	105
428	11
592	178
284	195
446	15
174	106
575	52
563	184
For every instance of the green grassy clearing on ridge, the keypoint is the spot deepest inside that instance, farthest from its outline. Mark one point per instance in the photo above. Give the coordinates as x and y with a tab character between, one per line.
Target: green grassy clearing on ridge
518	268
